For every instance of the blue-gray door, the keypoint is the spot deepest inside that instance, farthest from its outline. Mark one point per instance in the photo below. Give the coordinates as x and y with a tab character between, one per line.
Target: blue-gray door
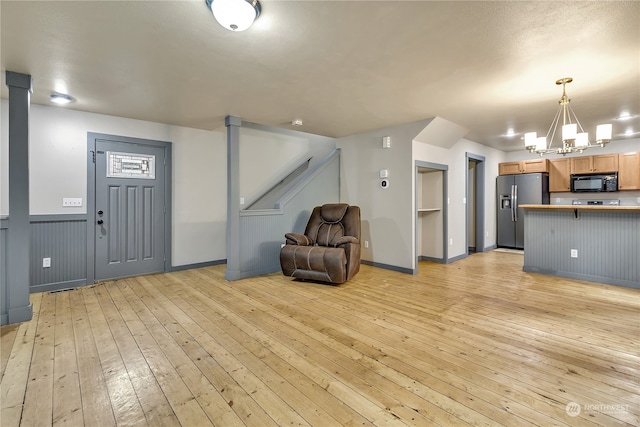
129	217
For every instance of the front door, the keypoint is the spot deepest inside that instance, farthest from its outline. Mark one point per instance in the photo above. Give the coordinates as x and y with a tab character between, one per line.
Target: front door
129	215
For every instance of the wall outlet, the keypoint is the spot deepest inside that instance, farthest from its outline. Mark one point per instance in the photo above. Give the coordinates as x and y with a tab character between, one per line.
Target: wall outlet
366	243
487	234
242	200
574	253
71	201
450	242
46	262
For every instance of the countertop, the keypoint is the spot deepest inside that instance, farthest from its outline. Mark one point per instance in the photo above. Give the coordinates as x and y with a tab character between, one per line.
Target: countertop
584	207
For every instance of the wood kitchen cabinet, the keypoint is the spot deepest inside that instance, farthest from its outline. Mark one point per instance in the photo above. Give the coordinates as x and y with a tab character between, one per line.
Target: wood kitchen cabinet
534	166
523	166
605	163
559	175
583	164
629	171
509	168
560	170
594	164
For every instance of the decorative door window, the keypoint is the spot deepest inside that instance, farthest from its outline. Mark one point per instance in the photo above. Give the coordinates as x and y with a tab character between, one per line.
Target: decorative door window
128	165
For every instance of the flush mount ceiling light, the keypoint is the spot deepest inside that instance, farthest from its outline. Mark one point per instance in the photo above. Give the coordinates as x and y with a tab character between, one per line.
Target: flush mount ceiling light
572	141
234	15
61	99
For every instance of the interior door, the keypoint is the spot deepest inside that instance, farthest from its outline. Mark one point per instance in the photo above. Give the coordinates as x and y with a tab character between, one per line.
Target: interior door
129	216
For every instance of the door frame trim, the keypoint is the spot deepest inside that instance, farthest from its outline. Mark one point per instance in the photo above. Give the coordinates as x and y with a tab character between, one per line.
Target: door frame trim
92	137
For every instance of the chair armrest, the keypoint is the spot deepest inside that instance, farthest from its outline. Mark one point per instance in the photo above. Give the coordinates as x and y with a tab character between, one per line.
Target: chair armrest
344	240
298	239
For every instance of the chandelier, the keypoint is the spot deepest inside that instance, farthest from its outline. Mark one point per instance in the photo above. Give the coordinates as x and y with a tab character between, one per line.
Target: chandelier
572	140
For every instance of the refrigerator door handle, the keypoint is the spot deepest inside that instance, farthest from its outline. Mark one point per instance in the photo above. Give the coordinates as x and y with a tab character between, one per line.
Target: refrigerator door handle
515	203
512	202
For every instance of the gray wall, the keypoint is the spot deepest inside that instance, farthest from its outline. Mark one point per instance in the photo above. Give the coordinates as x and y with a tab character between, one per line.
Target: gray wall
387	214
63	238
268	154
389	219
59	237
608	245
3	272
58	169
262	231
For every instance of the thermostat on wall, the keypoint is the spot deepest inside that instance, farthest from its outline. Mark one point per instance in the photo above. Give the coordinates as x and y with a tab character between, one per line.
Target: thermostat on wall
384	173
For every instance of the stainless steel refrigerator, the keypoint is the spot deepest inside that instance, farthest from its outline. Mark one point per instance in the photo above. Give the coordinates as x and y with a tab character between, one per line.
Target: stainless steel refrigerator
513	191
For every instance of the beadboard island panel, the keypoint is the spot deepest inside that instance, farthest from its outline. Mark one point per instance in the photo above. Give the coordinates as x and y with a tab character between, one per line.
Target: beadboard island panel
593	243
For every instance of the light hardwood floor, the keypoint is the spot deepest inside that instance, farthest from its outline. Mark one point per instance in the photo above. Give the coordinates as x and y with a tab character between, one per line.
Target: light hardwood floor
476	342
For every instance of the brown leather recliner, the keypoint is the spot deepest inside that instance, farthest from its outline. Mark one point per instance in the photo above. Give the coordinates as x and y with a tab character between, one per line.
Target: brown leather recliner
329	249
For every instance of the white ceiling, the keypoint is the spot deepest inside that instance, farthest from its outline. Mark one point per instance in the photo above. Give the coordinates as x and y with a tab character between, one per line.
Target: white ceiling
344	67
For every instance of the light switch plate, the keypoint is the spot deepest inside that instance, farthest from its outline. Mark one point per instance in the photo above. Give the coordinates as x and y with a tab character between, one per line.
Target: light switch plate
71	201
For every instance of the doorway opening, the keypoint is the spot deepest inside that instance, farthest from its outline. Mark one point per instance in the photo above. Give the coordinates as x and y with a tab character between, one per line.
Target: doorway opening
475	198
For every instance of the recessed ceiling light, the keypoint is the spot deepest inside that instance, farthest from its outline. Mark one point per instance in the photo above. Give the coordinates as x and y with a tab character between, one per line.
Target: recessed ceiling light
61	99
625	116
297	122
510	132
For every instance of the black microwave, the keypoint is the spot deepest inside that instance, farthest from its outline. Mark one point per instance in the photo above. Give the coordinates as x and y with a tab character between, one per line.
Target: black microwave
594	183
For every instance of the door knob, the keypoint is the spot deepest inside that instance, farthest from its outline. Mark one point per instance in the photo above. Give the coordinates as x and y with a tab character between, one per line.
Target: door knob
100	222
100	212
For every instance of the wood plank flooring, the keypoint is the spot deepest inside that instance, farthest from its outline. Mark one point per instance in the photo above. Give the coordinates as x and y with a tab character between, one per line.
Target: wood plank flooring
477	342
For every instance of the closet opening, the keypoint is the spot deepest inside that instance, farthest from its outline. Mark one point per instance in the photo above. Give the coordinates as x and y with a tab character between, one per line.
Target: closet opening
431	212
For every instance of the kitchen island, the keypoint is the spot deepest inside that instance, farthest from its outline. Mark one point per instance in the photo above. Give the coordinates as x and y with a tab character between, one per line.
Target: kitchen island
586	242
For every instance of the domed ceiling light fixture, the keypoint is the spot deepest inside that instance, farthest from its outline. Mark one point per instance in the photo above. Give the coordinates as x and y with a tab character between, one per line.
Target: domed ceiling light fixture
235	15
572	141
61	98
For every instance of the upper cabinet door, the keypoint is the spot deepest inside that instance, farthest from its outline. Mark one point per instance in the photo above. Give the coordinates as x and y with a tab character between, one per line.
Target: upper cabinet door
582	164
509	168
629	171
524	166
559	175
535	165
593	164
605	163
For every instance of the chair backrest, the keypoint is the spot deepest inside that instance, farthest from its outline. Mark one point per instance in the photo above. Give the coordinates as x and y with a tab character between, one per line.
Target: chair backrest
330	222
